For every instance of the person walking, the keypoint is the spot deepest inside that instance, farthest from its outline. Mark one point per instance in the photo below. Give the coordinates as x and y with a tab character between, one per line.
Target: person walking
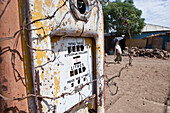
118	52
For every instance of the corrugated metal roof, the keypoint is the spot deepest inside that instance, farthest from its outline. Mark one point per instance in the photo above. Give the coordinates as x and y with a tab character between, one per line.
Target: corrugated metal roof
151	27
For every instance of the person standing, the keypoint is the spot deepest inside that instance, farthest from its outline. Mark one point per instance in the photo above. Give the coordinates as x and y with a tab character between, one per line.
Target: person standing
118	52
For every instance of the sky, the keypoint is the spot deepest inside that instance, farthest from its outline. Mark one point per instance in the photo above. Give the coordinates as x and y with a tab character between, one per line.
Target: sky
155	12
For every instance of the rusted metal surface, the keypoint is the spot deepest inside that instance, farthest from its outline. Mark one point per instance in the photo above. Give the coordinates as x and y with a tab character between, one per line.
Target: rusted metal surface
12	79
23	14
83	102
68	52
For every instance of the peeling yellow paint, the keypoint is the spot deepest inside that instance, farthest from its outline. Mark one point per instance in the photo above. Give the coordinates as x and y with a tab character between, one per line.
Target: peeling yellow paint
42	77
57	86
38	13
88	41
52	5
39	56
37	9
48	2
60	3
47	72
55	73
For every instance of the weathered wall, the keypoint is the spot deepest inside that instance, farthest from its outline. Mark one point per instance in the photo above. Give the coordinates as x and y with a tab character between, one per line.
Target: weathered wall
135	43
167	46
12	79
157	42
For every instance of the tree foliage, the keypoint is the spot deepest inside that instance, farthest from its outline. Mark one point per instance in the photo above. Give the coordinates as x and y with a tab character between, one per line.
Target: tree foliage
130	16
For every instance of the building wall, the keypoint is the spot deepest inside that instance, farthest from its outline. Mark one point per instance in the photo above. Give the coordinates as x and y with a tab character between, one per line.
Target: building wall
12	79
157	42
136	43
167	46
160	42
137	40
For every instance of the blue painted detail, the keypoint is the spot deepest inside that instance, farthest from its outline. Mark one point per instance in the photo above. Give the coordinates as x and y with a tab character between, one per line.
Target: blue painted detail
164	41
149	46
143	35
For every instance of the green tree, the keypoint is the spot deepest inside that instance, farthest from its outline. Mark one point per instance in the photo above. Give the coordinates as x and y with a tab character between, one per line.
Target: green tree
122	17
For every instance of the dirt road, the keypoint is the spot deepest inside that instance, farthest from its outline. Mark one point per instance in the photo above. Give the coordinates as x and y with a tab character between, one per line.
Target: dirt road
142	88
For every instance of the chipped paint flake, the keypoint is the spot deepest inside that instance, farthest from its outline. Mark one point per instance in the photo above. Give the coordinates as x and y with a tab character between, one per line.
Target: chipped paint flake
57	87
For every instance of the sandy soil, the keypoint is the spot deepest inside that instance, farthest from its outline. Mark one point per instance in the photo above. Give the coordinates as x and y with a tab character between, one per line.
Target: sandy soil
143	87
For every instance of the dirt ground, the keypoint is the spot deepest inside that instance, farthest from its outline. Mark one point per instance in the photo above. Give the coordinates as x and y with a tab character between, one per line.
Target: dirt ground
143	87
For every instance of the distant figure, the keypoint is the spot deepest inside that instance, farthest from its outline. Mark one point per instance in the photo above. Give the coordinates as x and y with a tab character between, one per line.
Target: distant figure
118	52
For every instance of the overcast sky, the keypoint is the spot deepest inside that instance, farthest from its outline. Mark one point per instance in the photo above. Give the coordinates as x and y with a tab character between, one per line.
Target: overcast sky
155	11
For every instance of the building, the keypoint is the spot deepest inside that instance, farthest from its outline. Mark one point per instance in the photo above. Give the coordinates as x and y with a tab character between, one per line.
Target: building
152	36
144	40
159	41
